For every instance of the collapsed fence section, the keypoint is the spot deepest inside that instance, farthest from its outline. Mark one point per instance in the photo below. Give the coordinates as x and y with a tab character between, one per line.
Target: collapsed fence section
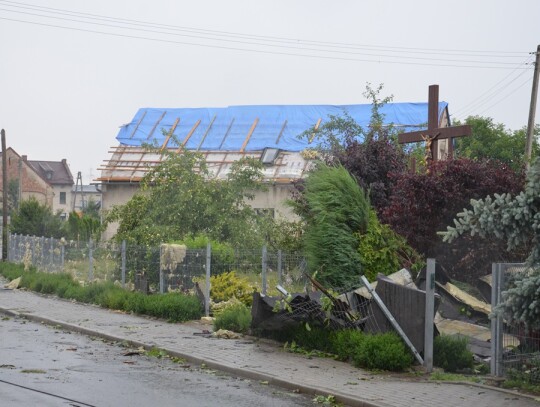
515	347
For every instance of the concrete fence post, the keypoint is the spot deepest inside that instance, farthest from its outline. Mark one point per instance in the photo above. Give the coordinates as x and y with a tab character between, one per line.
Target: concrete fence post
430	315
496	321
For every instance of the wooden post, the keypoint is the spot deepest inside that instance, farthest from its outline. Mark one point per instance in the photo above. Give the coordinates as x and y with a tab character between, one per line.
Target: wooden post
532	110
4	197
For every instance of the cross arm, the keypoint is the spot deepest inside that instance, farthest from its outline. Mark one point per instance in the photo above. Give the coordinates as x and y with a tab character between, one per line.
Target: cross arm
441	133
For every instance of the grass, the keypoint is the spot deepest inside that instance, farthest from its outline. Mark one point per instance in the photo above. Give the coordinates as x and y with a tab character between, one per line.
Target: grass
173	307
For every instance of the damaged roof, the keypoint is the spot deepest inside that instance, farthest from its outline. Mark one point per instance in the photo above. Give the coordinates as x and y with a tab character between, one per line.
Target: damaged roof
224	135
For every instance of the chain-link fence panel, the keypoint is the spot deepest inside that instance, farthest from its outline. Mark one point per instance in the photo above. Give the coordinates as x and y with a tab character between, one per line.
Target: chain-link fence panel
516	347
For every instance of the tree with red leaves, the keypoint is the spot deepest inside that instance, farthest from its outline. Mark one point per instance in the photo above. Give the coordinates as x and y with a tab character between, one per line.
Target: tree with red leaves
421	204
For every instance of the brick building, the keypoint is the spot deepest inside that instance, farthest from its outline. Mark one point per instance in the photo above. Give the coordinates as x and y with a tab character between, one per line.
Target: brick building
50	182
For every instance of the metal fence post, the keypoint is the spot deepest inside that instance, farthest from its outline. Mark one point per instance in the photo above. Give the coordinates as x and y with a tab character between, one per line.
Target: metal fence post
90	260
263	272
207	288
279	268
496	320
430	315
161	279
123	267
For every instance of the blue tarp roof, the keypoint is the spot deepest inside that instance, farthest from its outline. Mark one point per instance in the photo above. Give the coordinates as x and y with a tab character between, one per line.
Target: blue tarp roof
278	126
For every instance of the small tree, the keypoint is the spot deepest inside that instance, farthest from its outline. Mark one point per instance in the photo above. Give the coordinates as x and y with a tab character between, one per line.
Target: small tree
180	198
35	219
515	220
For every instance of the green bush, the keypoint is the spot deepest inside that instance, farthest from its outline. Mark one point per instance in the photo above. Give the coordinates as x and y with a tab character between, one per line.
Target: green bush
174	307
379	352
451	354
224	286
314	338
236	318
384	251
383	351
345	342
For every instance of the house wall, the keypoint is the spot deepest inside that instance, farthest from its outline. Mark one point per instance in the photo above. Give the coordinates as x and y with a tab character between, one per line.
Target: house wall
274	198
112	195
88	196
66	207
31	184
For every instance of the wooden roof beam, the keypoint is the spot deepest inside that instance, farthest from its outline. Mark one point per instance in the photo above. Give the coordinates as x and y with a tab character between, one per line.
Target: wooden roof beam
251	130
169	135
186	139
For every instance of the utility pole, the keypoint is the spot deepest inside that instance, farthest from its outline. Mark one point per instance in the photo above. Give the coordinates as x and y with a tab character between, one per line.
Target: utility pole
4	198
532	110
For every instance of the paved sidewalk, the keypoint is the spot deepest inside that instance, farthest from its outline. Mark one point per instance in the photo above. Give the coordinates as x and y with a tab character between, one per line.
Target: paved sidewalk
259	360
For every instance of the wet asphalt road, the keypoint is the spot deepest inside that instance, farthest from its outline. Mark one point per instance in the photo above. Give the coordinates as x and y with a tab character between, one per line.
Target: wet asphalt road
47	366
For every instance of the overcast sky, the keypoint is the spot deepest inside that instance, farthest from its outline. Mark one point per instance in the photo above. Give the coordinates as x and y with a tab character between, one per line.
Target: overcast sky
72	72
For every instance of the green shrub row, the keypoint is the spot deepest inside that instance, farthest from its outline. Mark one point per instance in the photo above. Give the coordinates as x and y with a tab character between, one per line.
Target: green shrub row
173	307
378	351
370	351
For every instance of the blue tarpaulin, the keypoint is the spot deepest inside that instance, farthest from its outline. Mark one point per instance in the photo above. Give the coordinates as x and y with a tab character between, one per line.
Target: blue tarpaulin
276	126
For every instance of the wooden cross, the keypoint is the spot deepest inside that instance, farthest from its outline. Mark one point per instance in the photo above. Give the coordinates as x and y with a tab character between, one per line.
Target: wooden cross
434	132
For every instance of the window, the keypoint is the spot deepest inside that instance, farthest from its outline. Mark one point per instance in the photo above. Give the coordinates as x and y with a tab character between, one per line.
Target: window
62	198
268	212
269	155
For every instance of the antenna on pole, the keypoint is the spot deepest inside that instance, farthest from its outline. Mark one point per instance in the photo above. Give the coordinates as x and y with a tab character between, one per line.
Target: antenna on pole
77	184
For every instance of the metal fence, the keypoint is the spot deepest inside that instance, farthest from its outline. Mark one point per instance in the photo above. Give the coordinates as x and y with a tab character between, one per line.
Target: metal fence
158	268
515	349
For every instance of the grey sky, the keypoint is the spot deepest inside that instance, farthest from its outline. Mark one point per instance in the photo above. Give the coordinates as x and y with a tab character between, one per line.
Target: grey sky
64	92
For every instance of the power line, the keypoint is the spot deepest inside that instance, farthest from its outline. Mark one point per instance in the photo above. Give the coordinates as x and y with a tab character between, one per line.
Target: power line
259	43
485	97
506	96
380	61
298	44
